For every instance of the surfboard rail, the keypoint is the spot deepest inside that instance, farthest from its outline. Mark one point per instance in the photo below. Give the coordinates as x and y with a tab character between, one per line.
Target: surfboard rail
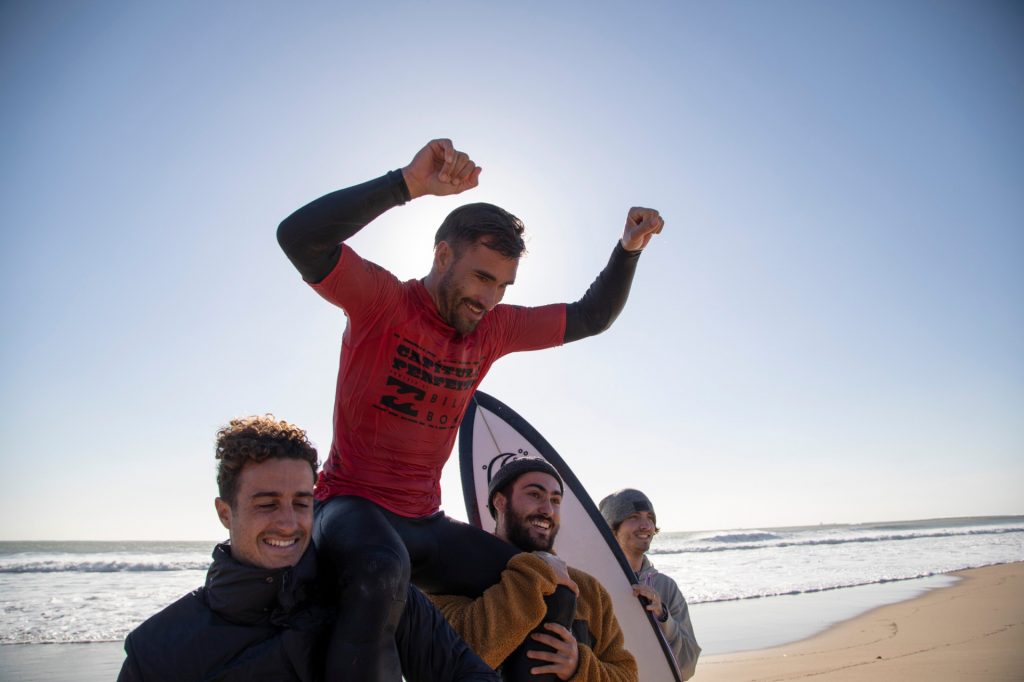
491	433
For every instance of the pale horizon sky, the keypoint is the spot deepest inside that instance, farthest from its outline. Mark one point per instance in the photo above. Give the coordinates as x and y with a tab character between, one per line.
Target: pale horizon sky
829	330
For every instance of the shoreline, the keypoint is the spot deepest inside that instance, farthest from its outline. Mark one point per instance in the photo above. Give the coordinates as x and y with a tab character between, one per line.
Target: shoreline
734	626
972	629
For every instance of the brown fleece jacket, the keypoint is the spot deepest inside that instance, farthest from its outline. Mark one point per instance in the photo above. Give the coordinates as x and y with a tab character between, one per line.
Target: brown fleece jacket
501	618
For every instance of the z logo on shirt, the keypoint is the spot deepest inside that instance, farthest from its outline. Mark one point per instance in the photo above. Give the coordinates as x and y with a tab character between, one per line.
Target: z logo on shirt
425	391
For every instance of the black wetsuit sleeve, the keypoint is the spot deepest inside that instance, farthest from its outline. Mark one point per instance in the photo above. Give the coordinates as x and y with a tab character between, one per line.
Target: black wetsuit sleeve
605	298
311	237
431	651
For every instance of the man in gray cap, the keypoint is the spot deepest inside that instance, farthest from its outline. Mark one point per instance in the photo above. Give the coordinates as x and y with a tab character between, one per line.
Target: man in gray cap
587	644
634	524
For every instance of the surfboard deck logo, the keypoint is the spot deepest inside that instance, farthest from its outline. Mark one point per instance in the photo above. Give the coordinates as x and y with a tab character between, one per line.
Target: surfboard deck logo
492	434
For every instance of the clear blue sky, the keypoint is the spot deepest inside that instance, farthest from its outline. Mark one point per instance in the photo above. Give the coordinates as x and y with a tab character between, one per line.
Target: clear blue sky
830	328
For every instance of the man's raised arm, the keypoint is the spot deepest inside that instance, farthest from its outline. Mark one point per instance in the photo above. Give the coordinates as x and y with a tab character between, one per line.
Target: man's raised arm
311	237
607	296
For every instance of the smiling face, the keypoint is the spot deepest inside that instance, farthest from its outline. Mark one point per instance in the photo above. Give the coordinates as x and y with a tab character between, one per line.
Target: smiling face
529	518
272	514
635	533
471	283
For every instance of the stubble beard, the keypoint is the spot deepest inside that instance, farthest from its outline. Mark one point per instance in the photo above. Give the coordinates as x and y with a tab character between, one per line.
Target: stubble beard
451	298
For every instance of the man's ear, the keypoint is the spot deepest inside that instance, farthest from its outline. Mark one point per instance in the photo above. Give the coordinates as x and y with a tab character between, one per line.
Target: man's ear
500	503
443	257
223	512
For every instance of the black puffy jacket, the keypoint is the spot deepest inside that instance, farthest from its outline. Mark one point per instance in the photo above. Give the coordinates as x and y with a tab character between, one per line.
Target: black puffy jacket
256	624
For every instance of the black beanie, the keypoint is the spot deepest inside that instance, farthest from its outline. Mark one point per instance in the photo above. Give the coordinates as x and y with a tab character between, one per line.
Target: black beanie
513	469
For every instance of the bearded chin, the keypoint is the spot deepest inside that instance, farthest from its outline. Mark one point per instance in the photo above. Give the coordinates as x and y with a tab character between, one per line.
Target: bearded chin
450	299
464	327
518	532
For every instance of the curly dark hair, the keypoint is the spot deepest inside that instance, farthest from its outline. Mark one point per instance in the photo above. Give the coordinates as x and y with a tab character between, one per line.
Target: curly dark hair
492	225
257	439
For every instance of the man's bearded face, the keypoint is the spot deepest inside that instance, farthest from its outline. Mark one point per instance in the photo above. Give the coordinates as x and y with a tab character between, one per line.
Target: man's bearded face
533	514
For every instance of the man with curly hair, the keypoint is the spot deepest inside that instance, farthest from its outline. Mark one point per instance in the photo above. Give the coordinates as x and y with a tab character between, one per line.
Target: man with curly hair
411	356
261	614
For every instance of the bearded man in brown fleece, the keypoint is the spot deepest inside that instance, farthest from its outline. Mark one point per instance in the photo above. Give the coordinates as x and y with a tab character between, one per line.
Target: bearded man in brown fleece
525	497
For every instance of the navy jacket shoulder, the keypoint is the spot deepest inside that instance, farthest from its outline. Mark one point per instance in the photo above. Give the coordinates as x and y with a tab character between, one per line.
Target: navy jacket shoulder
244	624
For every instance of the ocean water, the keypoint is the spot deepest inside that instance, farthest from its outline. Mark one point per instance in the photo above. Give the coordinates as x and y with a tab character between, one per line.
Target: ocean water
732	565
91	591
98	591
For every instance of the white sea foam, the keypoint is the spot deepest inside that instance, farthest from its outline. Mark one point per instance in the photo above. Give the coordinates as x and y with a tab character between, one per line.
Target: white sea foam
91	592
819	558
87	592
737	537
101	566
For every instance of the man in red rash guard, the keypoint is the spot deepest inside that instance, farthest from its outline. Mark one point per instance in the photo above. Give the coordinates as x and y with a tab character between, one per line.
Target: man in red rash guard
412	355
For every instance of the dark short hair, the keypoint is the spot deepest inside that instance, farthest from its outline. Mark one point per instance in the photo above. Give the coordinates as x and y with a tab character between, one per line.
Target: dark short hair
491	225
257	439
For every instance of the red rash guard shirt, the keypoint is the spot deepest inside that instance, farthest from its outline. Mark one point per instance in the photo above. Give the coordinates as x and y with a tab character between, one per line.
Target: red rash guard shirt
405	380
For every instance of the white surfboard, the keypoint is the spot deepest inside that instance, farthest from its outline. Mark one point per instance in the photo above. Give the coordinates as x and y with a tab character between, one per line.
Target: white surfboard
491	433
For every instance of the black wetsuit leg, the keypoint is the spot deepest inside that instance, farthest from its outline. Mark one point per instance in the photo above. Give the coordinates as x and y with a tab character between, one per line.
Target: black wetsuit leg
451	557
370	565
562	610
371	552
430	649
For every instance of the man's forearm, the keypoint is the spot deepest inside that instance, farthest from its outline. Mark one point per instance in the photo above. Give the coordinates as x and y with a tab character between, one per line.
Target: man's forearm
311	237
495	623
678	630
605	298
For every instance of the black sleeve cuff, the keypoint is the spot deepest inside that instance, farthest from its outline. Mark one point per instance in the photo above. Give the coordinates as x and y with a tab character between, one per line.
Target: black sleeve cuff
398	186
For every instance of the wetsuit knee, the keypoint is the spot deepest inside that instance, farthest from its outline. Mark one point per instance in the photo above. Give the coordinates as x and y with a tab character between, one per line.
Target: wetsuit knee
376	570
372	591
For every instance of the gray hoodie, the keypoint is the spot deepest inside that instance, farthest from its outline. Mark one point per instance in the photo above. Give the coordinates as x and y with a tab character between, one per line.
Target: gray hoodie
676	627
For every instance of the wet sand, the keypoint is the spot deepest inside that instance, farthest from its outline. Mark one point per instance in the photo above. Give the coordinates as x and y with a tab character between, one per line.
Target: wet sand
972	630
90	662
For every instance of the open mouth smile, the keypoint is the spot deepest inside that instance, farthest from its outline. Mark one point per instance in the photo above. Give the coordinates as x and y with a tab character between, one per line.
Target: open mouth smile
541	524
281	543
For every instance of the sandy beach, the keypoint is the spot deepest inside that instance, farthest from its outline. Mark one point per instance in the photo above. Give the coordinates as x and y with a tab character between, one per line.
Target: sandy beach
973	630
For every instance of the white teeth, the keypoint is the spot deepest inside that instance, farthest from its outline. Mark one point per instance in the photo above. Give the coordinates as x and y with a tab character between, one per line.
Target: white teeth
281	543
